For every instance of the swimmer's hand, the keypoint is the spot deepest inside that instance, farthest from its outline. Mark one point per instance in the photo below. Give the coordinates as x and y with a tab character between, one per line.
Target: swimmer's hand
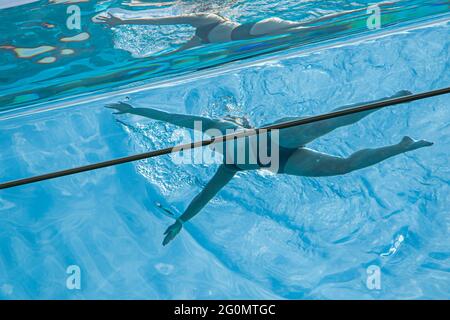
172	231
121	107
110	20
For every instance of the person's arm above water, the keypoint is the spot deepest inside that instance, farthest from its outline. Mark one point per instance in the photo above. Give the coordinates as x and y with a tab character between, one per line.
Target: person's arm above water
195	20
223	175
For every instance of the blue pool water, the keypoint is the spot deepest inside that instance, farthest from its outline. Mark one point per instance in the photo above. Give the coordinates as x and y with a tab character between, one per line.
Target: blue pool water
264	235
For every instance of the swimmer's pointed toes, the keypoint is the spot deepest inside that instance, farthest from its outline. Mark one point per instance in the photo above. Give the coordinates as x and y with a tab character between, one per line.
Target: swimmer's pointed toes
410	144
426	143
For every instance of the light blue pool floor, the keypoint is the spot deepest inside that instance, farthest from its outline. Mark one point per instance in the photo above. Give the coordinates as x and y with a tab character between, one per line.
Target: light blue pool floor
264	236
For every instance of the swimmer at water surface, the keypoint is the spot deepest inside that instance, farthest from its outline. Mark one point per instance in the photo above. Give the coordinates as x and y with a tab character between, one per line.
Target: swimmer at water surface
213	28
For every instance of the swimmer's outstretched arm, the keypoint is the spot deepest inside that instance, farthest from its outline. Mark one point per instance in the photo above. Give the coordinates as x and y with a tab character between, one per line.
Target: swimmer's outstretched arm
220	179
181	120
195	20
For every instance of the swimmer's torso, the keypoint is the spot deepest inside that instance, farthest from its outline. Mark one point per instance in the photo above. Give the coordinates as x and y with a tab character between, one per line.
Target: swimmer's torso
223	30
254	152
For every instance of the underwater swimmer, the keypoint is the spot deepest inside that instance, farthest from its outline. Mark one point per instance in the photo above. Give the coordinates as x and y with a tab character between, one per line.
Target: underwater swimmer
294	158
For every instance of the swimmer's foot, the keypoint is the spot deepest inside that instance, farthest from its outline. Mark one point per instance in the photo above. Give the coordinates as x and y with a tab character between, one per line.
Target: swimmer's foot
121	107
409	144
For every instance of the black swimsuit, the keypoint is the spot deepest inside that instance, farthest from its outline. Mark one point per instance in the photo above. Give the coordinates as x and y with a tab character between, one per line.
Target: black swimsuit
203	31
241	32
284	154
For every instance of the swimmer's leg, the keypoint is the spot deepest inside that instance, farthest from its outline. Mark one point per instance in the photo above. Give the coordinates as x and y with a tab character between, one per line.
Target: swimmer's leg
271	26
223	175
331	16
181	120
326	126
310	163
301	135
195	20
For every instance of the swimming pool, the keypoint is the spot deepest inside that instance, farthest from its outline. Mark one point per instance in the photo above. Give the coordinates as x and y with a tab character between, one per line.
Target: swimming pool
264	235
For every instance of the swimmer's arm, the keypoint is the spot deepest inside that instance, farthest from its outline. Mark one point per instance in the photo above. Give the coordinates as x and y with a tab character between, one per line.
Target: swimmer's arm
195	20
181	120
185	19
221	178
